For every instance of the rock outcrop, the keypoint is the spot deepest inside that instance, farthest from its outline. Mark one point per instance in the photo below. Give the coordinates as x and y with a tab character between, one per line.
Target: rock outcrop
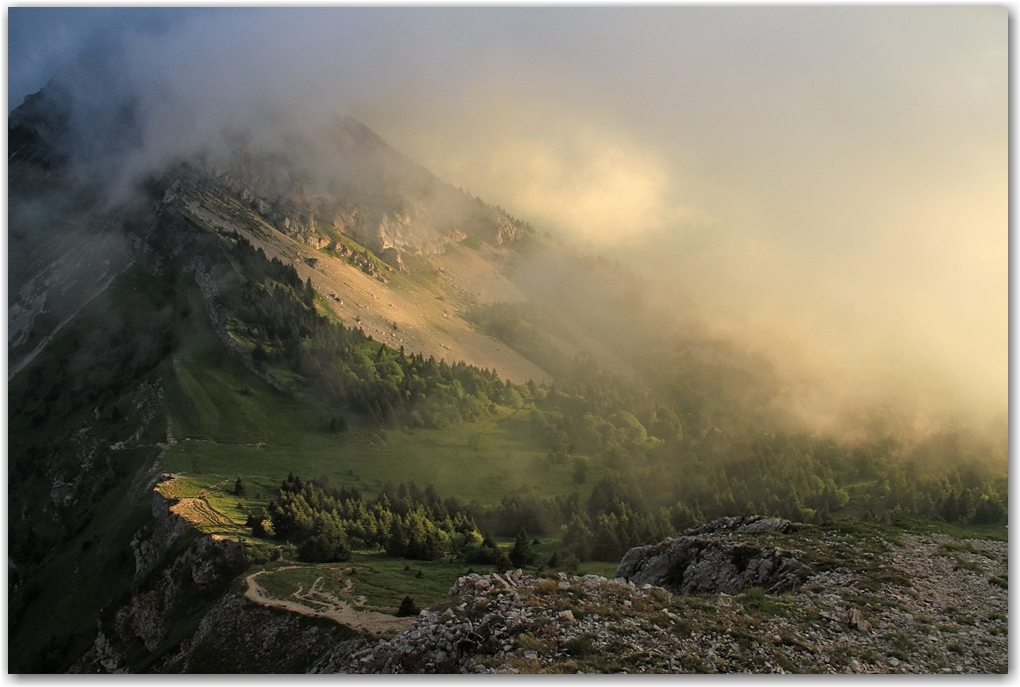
482	610
716	557
237	636
163	592
151	543
201	572
349	181
884	607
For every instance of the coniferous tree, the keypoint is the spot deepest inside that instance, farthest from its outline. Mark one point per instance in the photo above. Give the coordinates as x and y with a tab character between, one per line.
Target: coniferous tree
257	525
407	608
521	554
605	544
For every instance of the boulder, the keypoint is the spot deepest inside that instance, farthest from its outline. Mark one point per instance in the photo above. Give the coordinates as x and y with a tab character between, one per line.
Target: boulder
392	258
715	558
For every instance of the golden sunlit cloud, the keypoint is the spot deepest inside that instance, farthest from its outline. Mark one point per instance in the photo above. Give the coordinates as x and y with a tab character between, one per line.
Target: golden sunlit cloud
827	184
557	167
588	183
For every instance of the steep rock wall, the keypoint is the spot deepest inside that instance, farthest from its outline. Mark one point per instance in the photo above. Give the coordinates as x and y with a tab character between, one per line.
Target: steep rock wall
170	584
237	636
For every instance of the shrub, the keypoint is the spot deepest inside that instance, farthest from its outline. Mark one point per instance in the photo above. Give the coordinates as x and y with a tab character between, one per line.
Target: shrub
582	645
483	555
324	548
407	608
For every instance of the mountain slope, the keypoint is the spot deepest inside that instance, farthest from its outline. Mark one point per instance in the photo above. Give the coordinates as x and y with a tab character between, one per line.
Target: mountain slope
325	307
420	310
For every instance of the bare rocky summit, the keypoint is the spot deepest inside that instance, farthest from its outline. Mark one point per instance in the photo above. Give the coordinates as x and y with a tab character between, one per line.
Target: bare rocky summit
349	181
869	600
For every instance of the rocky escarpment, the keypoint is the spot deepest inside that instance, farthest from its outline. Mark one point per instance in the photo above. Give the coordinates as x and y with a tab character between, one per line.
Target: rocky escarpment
177	571
348	181
481	610
151	543
237	636
519	623
716	557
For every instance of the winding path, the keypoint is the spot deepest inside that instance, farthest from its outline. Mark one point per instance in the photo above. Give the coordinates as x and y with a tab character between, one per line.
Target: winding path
340	612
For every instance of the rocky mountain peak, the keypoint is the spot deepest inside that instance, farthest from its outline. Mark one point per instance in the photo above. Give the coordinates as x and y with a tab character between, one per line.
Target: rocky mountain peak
347	180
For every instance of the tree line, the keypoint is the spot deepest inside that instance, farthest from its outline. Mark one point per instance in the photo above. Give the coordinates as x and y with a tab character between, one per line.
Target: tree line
406	521
675	459
272	308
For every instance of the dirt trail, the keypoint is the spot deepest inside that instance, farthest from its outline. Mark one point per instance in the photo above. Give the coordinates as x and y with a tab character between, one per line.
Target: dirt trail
330	607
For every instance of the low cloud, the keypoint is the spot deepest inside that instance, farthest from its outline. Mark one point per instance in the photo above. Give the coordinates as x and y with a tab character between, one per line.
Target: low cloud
829	184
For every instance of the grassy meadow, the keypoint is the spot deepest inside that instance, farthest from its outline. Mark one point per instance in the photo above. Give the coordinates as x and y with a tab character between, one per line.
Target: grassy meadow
229	423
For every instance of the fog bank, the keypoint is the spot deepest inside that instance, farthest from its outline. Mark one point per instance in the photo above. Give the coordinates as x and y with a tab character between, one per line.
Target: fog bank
828	184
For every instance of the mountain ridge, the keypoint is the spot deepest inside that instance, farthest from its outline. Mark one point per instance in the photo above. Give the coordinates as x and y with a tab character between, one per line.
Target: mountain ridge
366	326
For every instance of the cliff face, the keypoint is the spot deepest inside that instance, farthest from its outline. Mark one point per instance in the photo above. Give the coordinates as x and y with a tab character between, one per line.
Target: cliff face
184	613
178	570
151	543
237	636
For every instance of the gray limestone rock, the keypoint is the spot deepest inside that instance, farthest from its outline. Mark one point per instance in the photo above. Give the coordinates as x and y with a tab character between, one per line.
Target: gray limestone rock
712	558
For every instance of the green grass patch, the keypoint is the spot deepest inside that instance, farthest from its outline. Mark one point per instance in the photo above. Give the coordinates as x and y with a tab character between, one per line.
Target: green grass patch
351	245
996	532
323	307
964	547
384	581
282	583
757	601
582	645
228	422
374	579
961	562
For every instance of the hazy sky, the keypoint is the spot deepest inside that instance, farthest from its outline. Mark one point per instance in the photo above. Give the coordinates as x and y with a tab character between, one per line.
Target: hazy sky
830	182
